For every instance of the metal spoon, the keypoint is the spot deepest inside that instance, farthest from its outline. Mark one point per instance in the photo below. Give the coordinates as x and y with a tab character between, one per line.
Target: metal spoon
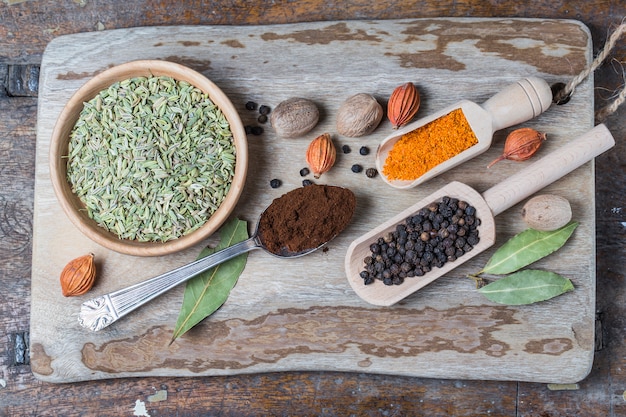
99	312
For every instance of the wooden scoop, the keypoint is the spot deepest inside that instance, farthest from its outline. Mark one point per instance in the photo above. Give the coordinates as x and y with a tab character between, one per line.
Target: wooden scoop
516	103
492	202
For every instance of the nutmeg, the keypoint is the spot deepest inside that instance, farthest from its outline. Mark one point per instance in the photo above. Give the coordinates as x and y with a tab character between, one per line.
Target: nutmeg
359	115
294	117
78	276
547	212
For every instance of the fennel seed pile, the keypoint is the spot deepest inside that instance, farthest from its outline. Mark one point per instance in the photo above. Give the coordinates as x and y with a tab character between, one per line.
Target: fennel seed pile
152	158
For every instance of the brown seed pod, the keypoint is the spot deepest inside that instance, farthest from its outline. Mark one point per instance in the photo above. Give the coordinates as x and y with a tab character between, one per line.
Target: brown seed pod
403	104
78	276
321	154
520	145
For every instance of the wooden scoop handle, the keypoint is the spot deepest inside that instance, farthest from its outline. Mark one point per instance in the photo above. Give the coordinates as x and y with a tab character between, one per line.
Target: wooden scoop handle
548	169
518	102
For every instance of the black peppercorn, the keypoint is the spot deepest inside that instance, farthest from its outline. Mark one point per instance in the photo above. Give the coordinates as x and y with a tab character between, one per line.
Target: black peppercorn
356	168
439	233
262	119
346	149
472	239
264	110
306	182
364	150
251	105
371	172
304	172
275	183
257	130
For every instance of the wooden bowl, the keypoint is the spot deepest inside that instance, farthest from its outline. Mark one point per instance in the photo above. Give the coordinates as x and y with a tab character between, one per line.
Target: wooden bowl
73	206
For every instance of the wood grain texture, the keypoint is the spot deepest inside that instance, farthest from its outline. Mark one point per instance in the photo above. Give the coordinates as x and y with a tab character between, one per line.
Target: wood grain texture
30	25
275	319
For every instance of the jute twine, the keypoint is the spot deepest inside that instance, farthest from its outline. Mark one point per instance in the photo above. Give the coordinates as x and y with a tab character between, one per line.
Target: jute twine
569	88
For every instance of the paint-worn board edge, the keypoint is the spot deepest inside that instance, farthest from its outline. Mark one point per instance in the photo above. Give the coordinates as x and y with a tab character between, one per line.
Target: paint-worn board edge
60	359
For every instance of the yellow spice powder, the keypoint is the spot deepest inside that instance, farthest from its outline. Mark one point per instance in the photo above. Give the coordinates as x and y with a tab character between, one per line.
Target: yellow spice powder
422	149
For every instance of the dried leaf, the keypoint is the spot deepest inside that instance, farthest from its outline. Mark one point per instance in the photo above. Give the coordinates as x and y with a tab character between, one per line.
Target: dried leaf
208	291
526	287
525	248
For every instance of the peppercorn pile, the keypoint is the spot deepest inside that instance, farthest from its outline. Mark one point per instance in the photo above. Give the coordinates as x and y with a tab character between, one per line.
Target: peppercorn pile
441	232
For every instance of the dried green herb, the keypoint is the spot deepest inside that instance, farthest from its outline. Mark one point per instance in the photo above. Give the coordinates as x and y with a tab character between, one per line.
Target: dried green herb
208	291
151	158
526	287
525	248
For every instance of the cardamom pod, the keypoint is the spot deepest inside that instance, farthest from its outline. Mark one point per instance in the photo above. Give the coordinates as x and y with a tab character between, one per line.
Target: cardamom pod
520	145
321	154
403	104
78	276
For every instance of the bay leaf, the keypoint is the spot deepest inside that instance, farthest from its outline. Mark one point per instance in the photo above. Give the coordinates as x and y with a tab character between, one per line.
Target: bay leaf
526	287
209	290
525	248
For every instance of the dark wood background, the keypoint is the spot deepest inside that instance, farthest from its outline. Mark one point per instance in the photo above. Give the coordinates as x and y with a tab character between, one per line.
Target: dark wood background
25	29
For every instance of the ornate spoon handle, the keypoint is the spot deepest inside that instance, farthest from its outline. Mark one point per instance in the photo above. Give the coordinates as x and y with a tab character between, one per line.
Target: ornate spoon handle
99	312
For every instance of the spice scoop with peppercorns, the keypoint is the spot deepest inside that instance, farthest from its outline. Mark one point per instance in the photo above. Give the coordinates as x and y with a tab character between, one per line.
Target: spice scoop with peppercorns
412	249
439	233
432	145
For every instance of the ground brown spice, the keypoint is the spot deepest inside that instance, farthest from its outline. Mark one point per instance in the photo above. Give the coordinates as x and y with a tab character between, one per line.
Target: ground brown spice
306	217
422	149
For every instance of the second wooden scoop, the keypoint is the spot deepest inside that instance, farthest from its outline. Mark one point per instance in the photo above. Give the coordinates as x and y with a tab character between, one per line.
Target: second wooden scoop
516	103
492	202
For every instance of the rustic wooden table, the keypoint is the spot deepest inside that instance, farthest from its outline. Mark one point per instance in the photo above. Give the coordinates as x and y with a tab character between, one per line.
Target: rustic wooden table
26	27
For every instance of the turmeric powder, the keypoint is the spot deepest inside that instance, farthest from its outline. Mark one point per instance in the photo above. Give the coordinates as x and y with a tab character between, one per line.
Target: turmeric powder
422	149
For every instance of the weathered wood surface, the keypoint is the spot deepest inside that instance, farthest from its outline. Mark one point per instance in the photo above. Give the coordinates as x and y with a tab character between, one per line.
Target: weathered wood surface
278	318
28	27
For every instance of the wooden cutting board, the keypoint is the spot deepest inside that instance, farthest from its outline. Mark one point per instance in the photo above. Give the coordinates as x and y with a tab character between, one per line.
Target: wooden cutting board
301	314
